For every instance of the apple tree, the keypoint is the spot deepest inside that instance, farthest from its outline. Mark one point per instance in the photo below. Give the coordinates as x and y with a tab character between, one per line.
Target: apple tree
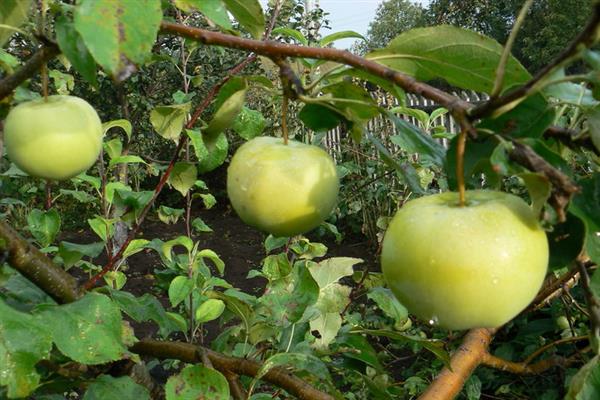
488	285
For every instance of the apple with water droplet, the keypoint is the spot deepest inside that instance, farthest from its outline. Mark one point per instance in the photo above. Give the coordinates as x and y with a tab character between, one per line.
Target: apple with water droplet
282	189
463	267
57	138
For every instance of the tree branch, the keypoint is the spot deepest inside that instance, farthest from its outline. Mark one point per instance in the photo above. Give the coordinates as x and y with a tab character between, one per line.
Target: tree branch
190	353
276	50
467	357
42	56
570	138
523	368
37	267
585	39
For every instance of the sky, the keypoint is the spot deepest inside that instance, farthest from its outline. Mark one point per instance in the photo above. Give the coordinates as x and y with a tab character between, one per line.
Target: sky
352	15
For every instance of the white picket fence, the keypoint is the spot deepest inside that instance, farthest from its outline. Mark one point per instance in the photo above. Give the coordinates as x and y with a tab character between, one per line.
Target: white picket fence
382	129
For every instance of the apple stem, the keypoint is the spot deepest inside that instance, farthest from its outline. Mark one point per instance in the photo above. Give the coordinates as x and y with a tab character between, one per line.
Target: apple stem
460	166
284	129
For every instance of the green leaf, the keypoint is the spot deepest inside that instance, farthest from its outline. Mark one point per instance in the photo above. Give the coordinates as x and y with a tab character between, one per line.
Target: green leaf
167	247
224	116
200	226
214	10
71	253
529	118
43	225
88	330
118	123
197	382
208	200
297	361
145	308
168	121
73	47
593	120
212	256
12	14
274	242
328	325
419	115
389	304
102	227
585	385
115	279
249	14
362	106
169	215
79	195
183	176
319	118
209	310
209	157
586	206
566	242
363	351
125	160
413	140
290	33
332	270
134	247
23	342
108	387
179	289
118	32
340	35
405	171
539	190
249	123
113	147
477	159
461	57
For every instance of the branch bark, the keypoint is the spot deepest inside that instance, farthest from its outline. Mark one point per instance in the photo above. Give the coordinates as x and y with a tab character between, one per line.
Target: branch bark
40	57
467	357
190	353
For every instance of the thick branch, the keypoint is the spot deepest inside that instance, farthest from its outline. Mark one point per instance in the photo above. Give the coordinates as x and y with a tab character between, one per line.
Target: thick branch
570	138
190	354
37	267
43	55
277	50
467	357
585	39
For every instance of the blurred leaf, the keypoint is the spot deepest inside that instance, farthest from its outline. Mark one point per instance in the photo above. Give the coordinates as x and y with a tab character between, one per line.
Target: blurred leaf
566	242
363	107
167	248
144	308
43	225
102	227
88	330
290	33
118	32
297	361
72	45
197	382
199	225
125	160
358	347
118	123
413	140
340	35
249	14
319	118
249	123
168	121
183	177
71	253
12	14
23	342
529	118
539	189
108	387
179	289
212	256
585	385
209	310
209	157
134	247
586	206
113	147
461	57
224	117
388	303
214	10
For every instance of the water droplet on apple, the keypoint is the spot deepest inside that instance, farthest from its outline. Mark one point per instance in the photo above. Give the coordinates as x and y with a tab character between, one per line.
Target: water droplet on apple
495	280
434	320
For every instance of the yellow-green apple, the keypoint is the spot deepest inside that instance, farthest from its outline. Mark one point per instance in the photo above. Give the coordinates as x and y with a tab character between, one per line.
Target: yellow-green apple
54	139
282	189
468	266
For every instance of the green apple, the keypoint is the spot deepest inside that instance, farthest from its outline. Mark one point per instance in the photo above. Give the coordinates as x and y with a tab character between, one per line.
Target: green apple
282	189
475	266
54	139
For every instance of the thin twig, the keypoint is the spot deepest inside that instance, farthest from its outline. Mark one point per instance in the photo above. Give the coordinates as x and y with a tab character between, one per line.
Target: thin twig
500	71
593	303
585	39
